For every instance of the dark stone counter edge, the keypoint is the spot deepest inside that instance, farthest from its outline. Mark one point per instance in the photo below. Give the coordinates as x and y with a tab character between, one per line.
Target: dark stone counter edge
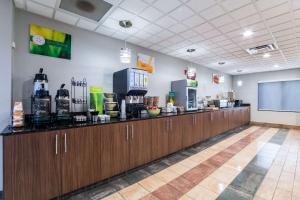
53	127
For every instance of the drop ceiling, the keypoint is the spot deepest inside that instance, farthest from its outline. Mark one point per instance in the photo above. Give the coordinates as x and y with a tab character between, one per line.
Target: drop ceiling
213	27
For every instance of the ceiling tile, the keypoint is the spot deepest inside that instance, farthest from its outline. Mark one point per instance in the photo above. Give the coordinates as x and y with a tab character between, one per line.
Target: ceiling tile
65	17
135	6
199	5
152	29
250	20
177	28
223	20
212	12
296	4
151	14
193	21
165	34
229	27
188	34
266	4
230	5
275	11
105	30
82	23
166	22
167	5
39	9
182	13
244	12
176	39
204	28
50	3
120	14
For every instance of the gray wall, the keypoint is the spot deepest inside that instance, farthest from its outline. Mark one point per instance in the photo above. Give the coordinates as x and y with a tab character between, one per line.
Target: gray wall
249	91
95	57
6	24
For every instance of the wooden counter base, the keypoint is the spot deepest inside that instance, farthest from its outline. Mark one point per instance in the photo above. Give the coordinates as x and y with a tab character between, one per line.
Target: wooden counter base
44	166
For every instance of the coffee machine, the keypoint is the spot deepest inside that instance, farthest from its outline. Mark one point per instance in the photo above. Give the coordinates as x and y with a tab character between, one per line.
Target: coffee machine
41	100
131	85
62	100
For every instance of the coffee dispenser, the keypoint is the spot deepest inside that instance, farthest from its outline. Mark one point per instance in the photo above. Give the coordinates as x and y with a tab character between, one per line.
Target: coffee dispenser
41	100
62	100
131	85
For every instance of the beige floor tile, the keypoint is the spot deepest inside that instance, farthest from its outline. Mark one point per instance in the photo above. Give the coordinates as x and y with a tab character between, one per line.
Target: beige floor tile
151	183
296	189
200	193
286	181
188	163
274	172
258	198
133	192
115	196
225	174
166	175
214	185
282	195
185	197
179	169
267	189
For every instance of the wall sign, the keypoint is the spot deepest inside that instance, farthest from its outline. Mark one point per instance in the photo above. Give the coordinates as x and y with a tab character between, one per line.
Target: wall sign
146	63
218	78
49	42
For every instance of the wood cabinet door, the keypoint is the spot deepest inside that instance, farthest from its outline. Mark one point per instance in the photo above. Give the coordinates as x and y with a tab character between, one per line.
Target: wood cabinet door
160	138
188	130
114	149
199	132
207	125
31	166
140	142
225	121
80	166
175	134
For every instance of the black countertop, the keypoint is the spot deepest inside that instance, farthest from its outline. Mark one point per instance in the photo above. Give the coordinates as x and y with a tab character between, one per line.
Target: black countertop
58	126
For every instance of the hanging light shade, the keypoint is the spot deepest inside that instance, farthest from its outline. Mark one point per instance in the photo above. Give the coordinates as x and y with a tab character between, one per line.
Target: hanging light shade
125	55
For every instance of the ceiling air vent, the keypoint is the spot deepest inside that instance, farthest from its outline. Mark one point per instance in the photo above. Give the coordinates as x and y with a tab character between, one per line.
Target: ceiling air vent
91	9
262	49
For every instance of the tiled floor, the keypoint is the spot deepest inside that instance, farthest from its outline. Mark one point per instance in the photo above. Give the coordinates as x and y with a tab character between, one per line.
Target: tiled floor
249	163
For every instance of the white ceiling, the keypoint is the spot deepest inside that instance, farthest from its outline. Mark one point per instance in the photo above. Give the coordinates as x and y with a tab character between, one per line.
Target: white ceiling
213	27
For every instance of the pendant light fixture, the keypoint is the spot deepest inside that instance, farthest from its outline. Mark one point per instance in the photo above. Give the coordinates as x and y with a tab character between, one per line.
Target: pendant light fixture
125	53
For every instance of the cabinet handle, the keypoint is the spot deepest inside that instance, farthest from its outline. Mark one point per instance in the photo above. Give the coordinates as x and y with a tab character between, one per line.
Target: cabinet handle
132	131
56	144
65	143
127	136
167	123
195	119
171	124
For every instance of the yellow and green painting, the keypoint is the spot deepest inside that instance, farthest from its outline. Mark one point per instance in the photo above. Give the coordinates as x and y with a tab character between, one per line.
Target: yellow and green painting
49	42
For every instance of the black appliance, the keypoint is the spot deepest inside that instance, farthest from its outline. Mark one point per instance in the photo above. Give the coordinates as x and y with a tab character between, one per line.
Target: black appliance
62	100
41	100
238	103
131	85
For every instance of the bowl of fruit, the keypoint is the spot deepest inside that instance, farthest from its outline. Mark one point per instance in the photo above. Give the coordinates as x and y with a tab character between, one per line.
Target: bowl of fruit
153	111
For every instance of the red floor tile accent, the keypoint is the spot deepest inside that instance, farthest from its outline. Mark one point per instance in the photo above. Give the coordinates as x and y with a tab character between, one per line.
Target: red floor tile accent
167	192
184	183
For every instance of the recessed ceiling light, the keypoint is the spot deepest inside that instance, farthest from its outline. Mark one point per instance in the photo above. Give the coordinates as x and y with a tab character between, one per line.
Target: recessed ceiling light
190	50
239	71
248	33
222	63
276	66
125	23
267	55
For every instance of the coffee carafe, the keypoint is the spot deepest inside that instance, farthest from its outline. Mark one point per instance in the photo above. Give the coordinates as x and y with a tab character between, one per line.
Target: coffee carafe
62	100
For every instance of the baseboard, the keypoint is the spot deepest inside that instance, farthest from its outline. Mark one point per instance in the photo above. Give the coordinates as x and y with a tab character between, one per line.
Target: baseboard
273	125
